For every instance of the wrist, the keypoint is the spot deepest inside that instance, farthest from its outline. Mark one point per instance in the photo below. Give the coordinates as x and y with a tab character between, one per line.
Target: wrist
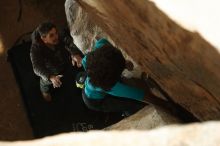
51	77
75	55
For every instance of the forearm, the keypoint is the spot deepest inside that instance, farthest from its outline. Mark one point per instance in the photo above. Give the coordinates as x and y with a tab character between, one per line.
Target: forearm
74	50
69	45
39	67
42	73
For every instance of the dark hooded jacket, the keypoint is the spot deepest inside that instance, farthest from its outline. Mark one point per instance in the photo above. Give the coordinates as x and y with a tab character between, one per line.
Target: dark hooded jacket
47	61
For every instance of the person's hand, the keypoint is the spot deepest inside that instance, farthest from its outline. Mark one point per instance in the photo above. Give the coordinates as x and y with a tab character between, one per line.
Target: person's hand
56	80
129	65
76	59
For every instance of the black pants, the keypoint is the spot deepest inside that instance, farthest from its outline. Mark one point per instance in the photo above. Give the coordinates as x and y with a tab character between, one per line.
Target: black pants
112	104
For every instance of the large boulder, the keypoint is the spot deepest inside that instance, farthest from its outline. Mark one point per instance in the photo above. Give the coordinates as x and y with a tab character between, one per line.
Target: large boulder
183	63
206	134
147	118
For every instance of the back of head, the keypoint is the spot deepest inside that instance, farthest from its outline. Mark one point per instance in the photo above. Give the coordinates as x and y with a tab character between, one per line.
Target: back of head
104	66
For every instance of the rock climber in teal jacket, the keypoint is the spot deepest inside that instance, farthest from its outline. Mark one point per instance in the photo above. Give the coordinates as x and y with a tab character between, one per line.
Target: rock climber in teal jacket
104	90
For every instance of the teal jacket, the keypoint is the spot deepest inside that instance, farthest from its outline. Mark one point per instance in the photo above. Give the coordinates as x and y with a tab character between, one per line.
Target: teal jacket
119	89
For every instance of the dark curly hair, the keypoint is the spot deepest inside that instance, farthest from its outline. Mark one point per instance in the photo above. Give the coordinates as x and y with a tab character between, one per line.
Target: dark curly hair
104	66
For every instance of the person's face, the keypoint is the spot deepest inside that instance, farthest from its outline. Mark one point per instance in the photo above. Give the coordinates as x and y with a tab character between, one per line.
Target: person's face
51	38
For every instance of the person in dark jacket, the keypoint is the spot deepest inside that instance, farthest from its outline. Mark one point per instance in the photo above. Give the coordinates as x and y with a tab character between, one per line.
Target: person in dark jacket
50	54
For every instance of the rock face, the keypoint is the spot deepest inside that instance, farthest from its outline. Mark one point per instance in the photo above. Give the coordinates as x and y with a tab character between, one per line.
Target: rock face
83	30
187	14
206	134
184	64
147	118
